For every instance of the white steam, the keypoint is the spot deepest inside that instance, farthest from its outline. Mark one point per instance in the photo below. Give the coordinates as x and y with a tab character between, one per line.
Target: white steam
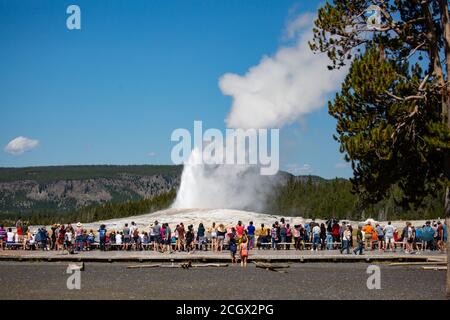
277	91
222	186
282	88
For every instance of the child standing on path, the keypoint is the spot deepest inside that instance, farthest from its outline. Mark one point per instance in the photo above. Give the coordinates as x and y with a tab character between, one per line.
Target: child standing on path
243	251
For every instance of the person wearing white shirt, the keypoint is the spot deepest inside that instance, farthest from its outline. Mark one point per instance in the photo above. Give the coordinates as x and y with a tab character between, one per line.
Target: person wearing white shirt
389	236
10	236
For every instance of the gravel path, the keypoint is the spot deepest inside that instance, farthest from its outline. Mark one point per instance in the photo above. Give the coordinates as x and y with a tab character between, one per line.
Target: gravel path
42	280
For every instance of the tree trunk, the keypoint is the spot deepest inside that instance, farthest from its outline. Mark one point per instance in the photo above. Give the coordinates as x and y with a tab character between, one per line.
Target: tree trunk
445	23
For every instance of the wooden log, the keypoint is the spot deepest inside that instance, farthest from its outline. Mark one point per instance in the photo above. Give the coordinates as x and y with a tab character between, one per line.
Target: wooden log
217	265
437	259
415	263
434	268
143	266
181	265
271	265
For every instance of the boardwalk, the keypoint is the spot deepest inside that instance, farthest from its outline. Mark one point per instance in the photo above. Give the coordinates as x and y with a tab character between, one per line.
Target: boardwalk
255	255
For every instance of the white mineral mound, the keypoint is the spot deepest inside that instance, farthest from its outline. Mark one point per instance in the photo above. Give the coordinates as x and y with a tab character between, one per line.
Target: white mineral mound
228	217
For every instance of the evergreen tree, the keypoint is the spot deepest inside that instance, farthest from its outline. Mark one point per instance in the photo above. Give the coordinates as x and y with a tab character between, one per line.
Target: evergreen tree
393	112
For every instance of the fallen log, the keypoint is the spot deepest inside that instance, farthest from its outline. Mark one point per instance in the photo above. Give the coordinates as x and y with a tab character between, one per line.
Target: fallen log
434	268
415	263
441	259
271	267
144	266
181	265
217	265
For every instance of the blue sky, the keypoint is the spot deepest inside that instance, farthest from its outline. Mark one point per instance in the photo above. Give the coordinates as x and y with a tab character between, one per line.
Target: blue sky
113	92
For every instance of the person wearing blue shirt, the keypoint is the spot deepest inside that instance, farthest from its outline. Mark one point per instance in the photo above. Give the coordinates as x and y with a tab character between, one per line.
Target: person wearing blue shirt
251	236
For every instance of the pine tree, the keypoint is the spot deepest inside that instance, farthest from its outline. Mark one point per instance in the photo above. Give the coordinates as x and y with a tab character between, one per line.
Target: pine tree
393	111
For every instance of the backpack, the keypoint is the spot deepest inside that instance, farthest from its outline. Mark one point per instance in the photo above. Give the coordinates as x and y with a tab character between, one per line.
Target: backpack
102	232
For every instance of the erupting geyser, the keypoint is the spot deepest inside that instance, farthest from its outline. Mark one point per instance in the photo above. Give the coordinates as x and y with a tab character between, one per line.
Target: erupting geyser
222	186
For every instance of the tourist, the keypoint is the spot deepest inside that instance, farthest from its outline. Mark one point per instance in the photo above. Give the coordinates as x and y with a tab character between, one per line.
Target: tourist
388	231
221	233
359	241
380	236
274	236
335	232
157	235
213	234
201	237
440	237
419	240
316	237
10	235
79	237
133	227
102	237
323	236
428	236
145	240
407	236
181	237
251	235
329	241
53	238
19	230
239	231
30	242
232	244
282	228
368	230
136	238
126	236
346	236
119	240
69	240
296	235
167	239
263	235
243	251
90	240
61	239
288	236
3	233
43	238
190	237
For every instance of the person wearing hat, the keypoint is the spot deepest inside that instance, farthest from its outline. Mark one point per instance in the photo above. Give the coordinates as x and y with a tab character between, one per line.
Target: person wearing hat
79	237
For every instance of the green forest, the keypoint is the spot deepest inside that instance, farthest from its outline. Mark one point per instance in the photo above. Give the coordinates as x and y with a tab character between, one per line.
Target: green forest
95	212
313	198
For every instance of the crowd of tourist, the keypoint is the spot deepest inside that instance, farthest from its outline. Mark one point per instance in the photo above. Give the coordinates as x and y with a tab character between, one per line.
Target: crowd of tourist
238	239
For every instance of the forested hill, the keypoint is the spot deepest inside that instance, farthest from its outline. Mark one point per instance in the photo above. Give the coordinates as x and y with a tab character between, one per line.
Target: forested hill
67	188
102	191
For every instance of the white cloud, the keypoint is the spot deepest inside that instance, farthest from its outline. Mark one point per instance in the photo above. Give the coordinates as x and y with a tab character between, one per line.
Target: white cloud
284	87
342	165
297	169
20	145
151	154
